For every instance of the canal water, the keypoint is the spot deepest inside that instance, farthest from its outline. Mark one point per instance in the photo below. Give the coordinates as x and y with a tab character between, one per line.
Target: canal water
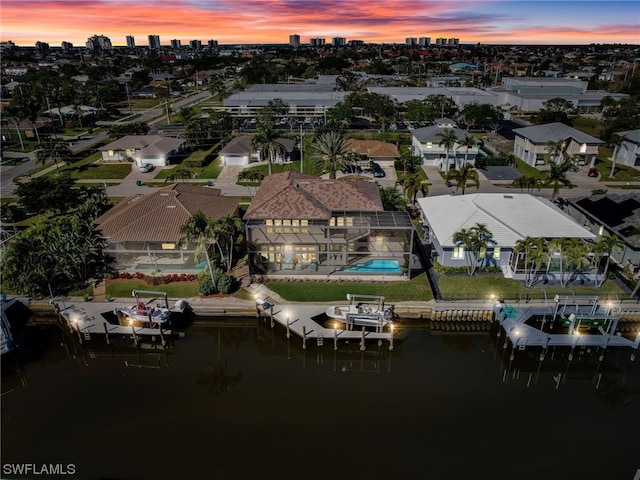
238	400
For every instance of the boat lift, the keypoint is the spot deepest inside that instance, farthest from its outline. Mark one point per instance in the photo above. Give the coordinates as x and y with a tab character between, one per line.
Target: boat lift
136	294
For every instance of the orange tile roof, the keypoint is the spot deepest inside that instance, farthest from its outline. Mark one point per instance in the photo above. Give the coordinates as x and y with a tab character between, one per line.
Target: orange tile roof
158	216
296	195
372	148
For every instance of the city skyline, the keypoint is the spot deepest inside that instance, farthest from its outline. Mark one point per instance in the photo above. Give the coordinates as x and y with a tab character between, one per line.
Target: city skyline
273	21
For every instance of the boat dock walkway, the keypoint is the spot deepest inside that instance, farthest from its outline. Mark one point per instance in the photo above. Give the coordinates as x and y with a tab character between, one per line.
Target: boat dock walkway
601	331
299	319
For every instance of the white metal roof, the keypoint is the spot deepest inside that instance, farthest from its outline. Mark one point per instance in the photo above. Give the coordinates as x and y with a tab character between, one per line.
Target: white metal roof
509	217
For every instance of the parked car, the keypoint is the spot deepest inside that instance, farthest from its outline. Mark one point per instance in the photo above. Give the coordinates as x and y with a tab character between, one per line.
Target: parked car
377	170
593	172
146	167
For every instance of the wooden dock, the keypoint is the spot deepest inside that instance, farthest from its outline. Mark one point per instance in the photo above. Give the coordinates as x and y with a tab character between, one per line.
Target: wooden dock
299	319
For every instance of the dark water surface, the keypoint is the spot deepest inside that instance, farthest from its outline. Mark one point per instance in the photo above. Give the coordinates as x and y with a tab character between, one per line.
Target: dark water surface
242	402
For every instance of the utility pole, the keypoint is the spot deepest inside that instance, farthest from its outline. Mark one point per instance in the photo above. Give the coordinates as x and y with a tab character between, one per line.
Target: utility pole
301	150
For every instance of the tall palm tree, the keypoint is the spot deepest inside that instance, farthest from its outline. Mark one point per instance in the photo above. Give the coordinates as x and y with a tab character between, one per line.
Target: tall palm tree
54	151
557	247
266	142
448	139
555	149
615	142
577	257
198	229
411	185
605	247
556	175
330	147
464	176
228	230
467	142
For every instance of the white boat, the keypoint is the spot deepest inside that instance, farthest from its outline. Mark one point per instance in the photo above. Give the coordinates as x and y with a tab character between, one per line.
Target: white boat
143	315
369	313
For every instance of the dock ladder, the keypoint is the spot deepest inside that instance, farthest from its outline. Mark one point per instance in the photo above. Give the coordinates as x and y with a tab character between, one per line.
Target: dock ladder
320	338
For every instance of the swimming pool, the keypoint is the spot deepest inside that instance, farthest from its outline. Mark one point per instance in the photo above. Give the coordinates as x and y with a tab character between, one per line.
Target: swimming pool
375	266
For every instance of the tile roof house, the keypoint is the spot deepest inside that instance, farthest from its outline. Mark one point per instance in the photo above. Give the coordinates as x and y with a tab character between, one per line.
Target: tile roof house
426	143
142	231
531	144
153	149
373	150
509	218
628	152
310	225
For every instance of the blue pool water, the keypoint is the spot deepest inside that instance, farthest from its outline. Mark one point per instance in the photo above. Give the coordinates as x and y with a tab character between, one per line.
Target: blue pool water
375	266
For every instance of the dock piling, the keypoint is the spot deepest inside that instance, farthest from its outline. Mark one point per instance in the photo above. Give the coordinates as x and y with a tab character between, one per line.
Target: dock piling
106	333
304	337
362	344
288	333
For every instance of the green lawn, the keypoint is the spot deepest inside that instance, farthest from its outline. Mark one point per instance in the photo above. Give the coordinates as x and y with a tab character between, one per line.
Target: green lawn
527	170
212	170
88	169
417	290
123	288
482	287
589	125
622	172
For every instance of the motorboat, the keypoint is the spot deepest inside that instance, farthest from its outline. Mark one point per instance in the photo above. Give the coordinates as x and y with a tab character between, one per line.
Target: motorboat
371	312
143	315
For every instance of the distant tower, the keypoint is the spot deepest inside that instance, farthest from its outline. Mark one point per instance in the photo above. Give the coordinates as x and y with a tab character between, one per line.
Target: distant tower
294	41
176	44
195	44
424	41
213	44
339	41
411	41
154	42
131	42
67	46
317	42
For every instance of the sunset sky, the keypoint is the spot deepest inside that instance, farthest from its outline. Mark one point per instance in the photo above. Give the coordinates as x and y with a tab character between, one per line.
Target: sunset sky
272	21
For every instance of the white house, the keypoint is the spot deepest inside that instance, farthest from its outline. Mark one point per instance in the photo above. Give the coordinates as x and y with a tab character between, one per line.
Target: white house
153	149
628	152
425	143
509	218
531	144
240	151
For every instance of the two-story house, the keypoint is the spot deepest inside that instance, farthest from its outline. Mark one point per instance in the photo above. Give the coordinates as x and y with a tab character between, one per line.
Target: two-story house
531	144
427	143
302	224
628	153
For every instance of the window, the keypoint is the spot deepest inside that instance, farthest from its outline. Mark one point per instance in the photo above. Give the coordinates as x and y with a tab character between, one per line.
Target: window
458	252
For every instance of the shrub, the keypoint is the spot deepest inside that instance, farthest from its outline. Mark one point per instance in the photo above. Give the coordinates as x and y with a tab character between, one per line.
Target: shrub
224	282
139	275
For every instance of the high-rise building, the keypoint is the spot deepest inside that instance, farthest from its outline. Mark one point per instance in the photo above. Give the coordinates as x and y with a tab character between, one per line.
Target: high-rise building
154	42
411	41
294	41
453	41
317	42
424	41
131	42
441	41
67	46
176	44
339	41
212	44
195	44
98	42
42	47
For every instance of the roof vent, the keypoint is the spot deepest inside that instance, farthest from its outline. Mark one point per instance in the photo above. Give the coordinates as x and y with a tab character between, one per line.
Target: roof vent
171	206
295	184
507	196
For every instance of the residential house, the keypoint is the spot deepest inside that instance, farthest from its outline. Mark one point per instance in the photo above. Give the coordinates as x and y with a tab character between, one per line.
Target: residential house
240	151
426	143
153	149
302	224
531	144
373	150
143	231
628	152
612	214
509	218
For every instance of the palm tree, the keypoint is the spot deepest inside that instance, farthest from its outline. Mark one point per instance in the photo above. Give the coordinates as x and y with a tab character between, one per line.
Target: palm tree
474	240
411	185
557	247
557	176
266	142
615	142
605	247
534	256
391	199
198	229
228	230
330	147
462	177
448	139
555	149
54	151
577	256
187	113
468	142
